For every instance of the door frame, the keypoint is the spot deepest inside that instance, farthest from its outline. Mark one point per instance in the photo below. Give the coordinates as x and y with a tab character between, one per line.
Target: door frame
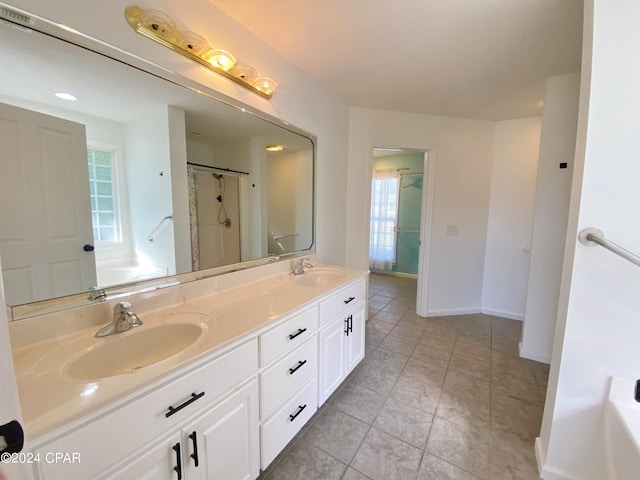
426	219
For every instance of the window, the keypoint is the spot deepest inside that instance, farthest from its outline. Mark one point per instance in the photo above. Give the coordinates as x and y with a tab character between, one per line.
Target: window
384	213
104	206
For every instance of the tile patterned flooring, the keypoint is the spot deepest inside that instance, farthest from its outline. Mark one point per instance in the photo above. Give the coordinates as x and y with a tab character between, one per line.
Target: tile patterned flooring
443	398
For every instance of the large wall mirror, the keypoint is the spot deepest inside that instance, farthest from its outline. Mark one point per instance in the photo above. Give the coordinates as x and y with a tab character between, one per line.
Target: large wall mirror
138	178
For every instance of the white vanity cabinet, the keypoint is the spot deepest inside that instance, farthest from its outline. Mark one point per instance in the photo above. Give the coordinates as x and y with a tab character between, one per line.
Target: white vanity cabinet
341	336
288	383
221	443
123	443
227	415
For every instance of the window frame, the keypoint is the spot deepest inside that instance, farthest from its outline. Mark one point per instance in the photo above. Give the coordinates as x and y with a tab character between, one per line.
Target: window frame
117	192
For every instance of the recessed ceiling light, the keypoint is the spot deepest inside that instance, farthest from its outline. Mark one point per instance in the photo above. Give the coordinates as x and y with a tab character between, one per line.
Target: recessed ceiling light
274	148
65	96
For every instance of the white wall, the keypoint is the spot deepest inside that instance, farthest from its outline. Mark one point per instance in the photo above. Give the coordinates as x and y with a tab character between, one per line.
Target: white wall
462	150
289	200
511	208
598	329
149	187
557	145
298	100
179	189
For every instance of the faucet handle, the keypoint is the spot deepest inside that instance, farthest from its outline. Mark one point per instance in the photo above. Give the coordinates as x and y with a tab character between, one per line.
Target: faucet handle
123	306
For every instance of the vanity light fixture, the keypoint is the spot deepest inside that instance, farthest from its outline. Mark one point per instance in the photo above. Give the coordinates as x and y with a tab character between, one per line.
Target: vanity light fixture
220	59
274	148
160	28
65	96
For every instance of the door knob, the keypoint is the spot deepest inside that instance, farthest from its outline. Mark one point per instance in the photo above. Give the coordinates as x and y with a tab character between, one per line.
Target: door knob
88	248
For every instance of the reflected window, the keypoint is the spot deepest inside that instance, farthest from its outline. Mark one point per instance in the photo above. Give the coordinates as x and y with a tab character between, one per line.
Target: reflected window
104	206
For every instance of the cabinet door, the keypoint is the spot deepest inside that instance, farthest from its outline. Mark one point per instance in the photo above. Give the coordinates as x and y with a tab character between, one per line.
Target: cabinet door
354	344
161	461
224	443
331	358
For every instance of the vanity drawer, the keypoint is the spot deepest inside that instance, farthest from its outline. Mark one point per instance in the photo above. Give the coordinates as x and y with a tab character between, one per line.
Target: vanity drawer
288	335
287	376
113	436
283	426
341	301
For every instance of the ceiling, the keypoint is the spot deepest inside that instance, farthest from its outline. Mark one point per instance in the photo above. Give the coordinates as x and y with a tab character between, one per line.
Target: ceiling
483	59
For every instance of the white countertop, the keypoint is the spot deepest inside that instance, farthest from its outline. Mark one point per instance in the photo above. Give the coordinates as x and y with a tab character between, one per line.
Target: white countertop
50	398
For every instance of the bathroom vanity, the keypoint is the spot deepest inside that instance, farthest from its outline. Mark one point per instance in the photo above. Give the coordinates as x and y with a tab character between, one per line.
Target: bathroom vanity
264	356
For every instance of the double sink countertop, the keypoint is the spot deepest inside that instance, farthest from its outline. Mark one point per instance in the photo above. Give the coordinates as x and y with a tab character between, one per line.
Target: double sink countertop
63	378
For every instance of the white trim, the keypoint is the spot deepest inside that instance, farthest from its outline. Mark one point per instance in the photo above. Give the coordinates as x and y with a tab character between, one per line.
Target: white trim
503	314
533	356
548	472
394	274
452	311
426	223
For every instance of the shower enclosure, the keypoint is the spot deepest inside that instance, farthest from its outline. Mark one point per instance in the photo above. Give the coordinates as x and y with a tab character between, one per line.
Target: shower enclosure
214	210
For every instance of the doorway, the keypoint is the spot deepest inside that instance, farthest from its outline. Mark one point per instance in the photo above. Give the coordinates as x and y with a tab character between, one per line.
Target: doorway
400	214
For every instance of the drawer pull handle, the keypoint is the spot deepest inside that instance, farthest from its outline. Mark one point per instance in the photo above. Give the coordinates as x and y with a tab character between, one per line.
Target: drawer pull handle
349	300
194	397
295	369
300	409
178	467
194	455
299	332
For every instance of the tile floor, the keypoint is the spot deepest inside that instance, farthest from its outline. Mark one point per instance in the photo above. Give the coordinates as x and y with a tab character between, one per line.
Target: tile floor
443	398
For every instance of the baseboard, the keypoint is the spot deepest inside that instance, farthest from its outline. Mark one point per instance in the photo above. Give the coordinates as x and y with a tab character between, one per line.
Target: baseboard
533	356
453	311
541	454
548	472
503	314
394	274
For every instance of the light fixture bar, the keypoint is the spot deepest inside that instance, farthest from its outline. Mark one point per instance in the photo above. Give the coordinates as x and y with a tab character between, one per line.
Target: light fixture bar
133	17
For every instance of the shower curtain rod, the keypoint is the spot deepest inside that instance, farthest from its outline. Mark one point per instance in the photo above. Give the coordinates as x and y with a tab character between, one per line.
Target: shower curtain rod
217	168
411	174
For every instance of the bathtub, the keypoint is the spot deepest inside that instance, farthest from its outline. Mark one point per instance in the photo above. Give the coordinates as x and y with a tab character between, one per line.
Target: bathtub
114	274
622	430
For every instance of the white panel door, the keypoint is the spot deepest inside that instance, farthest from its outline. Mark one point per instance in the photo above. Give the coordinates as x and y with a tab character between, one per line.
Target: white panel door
224	443
331	358
9	402
162	461
45	210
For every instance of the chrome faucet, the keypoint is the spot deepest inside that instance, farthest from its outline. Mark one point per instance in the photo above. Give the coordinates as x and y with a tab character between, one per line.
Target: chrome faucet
97	294
123	319
300	265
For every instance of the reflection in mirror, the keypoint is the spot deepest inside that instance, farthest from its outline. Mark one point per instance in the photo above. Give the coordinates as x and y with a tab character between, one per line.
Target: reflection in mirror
137	178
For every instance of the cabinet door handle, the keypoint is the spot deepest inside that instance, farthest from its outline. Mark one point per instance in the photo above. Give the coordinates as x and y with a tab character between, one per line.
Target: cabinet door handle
349	300
194	397
346	326
299	332
178	467
350	318
194	455
293	416
295	369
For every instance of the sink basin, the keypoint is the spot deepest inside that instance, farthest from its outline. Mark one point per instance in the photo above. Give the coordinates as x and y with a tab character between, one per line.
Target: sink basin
128	352
318	276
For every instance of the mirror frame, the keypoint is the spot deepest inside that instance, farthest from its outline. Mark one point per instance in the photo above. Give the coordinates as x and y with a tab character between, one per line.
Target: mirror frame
24	20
